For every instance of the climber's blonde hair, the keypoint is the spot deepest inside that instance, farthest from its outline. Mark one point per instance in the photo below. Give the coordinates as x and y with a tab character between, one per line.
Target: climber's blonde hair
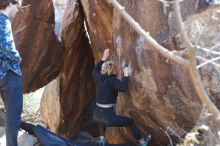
107	68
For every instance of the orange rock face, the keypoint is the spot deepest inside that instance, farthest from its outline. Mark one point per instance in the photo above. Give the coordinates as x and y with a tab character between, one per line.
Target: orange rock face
98	16
74	84
37	44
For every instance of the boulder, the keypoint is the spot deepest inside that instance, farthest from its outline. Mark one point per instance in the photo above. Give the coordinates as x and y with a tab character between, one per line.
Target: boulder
74	88
37	43
159	90
76	85
50	107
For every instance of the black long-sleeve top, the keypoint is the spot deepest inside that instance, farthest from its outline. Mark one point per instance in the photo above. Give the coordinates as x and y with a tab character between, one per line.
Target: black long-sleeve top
107	87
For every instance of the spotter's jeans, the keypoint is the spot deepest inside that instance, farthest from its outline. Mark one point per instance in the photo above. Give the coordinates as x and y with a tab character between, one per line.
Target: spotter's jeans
108	117
11	91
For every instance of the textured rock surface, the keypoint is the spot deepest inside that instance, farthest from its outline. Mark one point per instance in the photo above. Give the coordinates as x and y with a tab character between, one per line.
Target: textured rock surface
75	86
50	108
98	15
161	97
159	91
37	43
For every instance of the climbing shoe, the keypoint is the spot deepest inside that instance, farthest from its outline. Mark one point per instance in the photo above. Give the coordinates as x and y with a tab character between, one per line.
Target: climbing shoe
101	141
146	141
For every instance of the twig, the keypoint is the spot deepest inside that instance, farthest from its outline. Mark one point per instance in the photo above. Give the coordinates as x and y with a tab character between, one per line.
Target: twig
216	45
207	62
174	133
136	26
168	2
171	142
208	50
206	26
204	59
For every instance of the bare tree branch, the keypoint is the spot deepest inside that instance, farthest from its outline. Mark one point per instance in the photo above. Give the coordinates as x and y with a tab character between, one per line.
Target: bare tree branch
209	50
136	26
215	46
192	67
207	62
198	38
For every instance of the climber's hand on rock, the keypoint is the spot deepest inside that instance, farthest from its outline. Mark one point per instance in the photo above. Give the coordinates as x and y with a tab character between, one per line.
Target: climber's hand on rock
105	54
126	71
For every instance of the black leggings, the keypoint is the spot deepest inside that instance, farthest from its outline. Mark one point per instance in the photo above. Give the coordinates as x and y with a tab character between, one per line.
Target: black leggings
107	117
28	127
